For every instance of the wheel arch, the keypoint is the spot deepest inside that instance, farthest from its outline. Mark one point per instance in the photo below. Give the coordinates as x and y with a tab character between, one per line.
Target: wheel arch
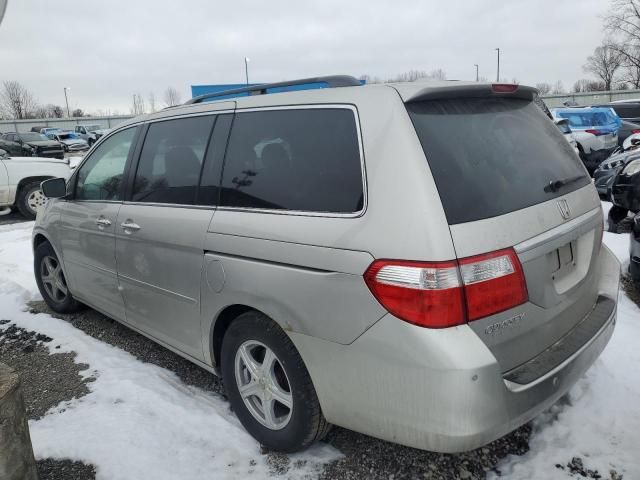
221	324
27	180
39	238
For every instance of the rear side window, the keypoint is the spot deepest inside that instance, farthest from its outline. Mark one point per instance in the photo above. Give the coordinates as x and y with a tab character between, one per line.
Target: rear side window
171	160
295	159
491	156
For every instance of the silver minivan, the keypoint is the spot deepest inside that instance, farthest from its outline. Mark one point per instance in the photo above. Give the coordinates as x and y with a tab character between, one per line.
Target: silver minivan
419	262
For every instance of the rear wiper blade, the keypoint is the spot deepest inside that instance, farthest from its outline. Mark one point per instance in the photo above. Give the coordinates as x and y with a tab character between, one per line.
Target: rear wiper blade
554	186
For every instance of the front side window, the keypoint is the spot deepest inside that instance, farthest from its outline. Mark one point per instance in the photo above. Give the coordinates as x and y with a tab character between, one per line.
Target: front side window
100	177
294	159
171	160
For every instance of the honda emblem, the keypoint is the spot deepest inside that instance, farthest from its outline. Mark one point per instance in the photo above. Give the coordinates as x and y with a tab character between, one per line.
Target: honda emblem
563	207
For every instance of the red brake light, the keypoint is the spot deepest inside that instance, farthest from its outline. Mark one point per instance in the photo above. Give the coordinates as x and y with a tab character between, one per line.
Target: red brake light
635	131
426	294
504	87
493	283
597	133
446	294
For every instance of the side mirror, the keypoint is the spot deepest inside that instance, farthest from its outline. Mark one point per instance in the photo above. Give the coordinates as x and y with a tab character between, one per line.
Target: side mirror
54	188
3	154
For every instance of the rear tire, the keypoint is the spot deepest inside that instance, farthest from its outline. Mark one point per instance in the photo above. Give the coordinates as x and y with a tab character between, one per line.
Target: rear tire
250	340
29	199
51	281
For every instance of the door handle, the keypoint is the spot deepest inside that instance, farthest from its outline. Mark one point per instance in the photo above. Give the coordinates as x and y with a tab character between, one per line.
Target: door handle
128	226
103	222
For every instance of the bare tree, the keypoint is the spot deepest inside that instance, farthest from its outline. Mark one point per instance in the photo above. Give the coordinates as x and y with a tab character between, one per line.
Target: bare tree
152	102
171	97
544	88
16	100
77	113
137	107
558	88
604	63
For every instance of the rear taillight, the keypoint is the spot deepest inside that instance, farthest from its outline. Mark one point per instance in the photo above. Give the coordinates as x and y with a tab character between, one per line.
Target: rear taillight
445	294
493	282
597	133
427	294
634	131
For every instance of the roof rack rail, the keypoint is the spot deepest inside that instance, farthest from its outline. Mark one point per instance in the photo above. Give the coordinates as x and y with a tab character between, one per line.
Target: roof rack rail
332	81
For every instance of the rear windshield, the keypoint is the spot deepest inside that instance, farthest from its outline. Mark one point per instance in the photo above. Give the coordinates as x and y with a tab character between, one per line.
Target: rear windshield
588	118
491	156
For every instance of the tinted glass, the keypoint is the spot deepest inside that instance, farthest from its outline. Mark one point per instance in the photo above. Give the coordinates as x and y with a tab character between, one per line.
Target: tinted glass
307	160
171	160
492	156
100	177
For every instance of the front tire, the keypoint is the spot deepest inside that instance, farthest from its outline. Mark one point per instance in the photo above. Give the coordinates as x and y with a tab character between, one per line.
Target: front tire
29	199
51	280
269	386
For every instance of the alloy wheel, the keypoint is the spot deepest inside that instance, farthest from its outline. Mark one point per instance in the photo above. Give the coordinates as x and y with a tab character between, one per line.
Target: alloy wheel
53	279
263	385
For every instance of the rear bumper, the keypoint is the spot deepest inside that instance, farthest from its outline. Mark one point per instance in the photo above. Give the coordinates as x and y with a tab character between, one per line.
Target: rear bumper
439	390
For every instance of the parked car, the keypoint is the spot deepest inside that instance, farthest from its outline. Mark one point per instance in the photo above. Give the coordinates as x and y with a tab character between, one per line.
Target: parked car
70	142
91	133
624	193
596	132
47	131
37	128
627	110
30	144
626	130
565	129
367	266
606	172
634	251
20	179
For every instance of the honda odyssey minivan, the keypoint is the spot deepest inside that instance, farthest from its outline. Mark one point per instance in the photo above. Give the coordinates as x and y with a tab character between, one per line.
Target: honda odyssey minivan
419	262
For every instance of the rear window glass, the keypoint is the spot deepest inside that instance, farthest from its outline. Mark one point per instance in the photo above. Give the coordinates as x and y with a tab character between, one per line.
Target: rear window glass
587	118
491	156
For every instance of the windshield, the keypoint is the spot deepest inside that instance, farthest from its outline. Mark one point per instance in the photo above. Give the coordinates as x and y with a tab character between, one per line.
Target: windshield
32	137
65	136
491	156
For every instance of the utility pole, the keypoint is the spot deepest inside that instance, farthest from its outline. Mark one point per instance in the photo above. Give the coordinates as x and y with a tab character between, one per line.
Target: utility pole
246	69
476	65
498	74
66	100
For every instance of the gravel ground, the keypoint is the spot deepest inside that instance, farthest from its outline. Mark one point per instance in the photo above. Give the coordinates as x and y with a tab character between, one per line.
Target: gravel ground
364	457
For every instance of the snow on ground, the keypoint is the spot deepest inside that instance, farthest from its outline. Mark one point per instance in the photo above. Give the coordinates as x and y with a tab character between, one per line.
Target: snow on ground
140	420
601	423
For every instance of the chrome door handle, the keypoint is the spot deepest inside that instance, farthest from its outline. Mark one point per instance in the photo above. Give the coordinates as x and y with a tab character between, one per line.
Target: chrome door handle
128	226
103	222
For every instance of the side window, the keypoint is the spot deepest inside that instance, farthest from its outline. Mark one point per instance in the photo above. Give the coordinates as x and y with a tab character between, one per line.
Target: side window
171	160
100	177
295	159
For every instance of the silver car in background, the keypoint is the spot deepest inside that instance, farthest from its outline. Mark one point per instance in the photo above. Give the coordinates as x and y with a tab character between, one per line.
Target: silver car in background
345	256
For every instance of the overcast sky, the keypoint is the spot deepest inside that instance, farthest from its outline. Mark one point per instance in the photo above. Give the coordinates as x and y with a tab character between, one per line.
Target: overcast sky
107	50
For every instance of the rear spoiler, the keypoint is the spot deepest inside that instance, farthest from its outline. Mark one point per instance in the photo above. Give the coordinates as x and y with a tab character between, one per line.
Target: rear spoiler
470	90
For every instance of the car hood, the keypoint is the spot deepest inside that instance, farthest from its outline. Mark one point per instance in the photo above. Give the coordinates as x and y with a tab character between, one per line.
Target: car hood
35	160
42	143
74	141
102	131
